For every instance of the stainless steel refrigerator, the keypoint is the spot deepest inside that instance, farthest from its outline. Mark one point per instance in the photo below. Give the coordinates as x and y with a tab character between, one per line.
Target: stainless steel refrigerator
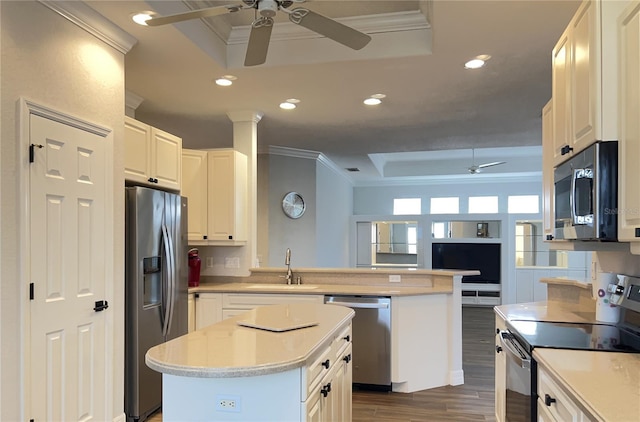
156	284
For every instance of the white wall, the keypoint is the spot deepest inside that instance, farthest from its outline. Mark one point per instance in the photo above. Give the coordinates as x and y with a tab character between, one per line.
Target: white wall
334	205
378	200
55	63
320	238
288	174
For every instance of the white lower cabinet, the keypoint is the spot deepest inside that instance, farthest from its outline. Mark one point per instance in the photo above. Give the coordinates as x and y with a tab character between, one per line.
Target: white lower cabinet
500	372
329	386
208	309
554	404
214	307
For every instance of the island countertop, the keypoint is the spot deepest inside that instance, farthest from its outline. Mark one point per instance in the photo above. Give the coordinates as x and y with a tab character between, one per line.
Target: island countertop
228	349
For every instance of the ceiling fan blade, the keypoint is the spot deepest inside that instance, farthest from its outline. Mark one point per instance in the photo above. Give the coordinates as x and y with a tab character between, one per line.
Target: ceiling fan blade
495	163
193	14
258	41
329	28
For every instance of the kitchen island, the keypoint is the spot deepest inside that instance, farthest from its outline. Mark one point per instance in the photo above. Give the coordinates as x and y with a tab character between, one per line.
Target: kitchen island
273	363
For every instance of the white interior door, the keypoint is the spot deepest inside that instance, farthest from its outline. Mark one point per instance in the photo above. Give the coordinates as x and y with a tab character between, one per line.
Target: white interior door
67	269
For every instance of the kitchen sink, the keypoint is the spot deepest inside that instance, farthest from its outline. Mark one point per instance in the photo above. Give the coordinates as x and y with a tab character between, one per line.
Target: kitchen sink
282	287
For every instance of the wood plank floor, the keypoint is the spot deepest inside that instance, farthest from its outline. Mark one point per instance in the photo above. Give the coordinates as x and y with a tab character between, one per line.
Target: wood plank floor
473	401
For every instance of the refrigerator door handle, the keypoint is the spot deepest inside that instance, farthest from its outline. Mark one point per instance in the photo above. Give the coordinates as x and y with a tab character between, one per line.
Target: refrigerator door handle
168	289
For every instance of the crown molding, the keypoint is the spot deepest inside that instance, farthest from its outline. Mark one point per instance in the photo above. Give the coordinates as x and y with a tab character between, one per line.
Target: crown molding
370	24
132	100
319	157
94	23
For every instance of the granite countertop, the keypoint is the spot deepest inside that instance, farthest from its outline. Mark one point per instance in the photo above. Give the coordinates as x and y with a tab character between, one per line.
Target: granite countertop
321	289
605	384
543	311
227	349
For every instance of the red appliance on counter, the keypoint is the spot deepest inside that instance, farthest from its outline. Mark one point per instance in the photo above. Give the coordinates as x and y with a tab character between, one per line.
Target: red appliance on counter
194	268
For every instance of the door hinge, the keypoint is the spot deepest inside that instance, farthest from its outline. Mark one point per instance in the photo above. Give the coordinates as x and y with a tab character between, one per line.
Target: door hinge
31	293
32	152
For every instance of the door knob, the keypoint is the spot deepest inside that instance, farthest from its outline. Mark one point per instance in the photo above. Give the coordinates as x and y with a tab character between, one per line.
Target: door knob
101	305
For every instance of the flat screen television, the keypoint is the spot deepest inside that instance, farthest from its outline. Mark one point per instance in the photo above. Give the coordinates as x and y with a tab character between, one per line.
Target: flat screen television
484	257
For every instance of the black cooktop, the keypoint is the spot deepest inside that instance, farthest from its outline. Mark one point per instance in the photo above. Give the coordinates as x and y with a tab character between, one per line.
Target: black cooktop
579	336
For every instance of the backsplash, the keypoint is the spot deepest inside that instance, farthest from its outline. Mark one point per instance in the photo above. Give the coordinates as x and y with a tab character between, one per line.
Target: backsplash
618	262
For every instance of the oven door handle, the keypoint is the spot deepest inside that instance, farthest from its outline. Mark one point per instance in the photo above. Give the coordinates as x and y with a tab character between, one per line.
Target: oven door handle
515	355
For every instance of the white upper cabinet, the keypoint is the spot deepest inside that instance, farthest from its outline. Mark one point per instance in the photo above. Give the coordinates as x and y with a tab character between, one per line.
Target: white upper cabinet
584	79
151	156
548	209
194	187
215	183
629	129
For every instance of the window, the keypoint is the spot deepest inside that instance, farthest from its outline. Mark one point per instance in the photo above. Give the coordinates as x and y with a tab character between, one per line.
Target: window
483	204
523	204
407	206
445	205
412	239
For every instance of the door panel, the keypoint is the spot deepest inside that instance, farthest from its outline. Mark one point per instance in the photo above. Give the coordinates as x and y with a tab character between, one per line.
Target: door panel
67	231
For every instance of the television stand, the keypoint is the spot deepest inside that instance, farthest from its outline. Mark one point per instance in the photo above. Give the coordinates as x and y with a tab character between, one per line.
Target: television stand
481	294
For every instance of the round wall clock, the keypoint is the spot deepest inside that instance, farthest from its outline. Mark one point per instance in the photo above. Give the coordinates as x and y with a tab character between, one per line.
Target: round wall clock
293	205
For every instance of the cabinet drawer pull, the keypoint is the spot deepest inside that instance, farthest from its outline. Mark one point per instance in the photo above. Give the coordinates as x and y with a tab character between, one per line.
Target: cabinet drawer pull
346	338
548	400
326	363
326	390
347	358
498	349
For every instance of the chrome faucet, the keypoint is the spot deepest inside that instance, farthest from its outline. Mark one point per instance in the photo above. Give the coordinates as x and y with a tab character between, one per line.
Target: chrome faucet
287	262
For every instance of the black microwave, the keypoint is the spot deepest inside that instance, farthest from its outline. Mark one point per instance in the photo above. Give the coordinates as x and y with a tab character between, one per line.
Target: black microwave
586	194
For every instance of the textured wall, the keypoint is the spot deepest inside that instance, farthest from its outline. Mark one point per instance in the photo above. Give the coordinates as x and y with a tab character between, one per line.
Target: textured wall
55	63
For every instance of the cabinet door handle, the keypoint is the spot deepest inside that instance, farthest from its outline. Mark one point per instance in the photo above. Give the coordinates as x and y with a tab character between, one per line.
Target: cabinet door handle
325	390
549	237
326	363
347	338
548	400
498	349
347	358
565	150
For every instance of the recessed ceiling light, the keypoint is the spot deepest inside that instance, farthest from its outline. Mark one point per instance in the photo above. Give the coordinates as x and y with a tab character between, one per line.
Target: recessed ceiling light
372	101
378	96
477	62
293	100
287	106
225	80
141	18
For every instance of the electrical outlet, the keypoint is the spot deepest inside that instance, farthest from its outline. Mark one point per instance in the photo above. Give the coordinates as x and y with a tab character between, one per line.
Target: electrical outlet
209	262
394	278
226	403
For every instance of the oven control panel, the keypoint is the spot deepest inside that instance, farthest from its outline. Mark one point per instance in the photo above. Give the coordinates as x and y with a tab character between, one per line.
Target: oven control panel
626	293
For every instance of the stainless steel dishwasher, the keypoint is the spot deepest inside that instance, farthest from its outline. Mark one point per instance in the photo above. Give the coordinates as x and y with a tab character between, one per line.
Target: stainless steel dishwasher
371	339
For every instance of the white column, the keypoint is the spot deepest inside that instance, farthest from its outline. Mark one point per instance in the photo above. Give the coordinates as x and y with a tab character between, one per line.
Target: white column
245	140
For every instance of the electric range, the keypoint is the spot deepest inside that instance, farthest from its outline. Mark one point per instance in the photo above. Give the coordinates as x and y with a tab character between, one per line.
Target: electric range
523	336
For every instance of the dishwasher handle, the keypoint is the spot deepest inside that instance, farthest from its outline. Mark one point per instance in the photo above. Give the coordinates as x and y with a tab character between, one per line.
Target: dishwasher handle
358	305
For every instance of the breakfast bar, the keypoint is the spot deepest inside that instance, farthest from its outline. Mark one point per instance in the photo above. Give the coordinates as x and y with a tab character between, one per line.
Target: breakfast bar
274	363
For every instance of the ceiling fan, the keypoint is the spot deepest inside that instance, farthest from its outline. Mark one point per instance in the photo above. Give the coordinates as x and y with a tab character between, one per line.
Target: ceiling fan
477	168
261	27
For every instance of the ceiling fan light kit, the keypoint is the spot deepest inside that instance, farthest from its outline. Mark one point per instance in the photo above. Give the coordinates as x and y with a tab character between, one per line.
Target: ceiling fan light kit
261	28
